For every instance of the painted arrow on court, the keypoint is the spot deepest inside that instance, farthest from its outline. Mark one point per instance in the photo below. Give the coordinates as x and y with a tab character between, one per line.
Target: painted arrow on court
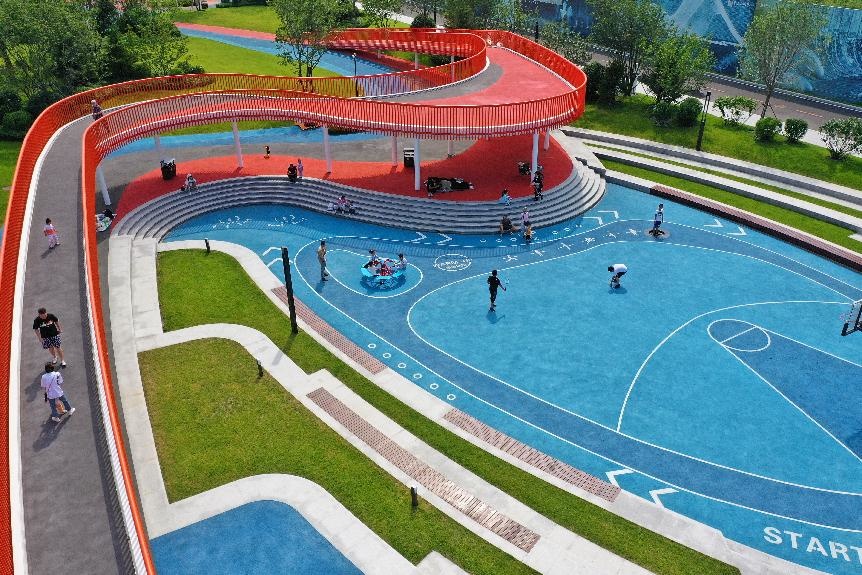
419	239
717	224
269	249
443	241
656	492
601	221
269	265
614	212
741	232
612	475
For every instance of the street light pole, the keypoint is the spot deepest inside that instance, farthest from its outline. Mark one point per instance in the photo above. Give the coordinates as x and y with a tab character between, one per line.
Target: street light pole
703	120
355	81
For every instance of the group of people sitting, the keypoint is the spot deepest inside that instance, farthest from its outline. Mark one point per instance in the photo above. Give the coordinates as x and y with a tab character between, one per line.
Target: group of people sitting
507	227
385	266
190	185
342	206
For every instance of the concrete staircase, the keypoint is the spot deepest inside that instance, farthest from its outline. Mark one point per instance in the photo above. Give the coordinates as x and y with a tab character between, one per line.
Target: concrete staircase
582	190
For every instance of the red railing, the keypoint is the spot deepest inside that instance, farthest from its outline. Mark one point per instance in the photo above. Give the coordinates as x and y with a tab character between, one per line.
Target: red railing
238	96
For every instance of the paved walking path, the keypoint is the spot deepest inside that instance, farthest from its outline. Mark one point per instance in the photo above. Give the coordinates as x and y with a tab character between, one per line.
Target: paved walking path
69	507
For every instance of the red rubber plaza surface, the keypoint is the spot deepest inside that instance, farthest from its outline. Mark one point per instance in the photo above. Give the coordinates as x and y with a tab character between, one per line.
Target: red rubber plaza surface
517	105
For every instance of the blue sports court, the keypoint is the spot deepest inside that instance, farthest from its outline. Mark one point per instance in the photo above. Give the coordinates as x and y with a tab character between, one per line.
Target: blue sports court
714	382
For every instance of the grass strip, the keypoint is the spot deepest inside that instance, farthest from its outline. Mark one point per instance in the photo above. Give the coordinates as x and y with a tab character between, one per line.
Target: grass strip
631	117
217	425
8	160
258	18
798	195
835	234
217	57
230	296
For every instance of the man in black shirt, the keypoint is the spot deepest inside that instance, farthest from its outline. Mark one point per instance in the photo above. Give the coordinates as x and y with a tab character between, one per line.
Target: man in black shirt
47	328
494	283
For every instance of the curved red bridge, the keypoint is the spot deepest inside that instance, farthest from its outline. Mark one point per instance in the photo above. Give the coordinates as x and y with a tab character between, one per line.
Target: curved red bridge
397	103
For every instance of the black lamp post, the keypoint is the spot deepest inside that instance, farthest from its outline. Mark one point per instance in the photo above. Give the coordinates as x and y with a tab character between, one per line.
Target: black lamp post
536	33
703	120
355	81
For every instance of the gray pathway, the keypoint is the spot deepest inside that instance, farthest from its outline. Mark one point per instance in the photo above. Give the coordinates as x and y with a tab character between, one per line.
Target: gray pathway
71	517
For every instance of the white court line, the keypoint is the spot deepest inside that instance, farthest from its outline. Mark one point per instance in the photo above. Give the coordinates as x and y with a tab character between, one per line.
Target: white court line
743	332
778	391
587	450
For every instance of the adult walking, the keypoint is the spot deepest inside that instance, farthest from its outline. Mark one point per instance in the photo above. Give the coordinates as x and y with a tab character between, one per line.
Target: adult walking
321	258
47	328
619	270
51	383
494	283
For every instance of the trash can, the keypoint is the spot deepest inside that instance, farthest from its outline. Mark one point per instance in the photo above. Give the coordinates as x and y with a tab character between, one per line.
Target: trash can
409	157
169	169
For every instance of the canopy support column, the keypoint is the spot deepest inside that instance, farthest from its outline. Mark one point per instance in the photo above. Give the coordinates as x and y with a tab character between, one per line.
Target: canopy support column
159	150
394	150
327	150
547	139
103	186
417	177
236	145
534	161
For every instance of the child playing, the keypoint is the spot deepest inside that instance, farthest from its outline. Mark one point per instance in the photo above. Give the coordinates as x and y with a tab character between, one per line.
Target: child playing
51	233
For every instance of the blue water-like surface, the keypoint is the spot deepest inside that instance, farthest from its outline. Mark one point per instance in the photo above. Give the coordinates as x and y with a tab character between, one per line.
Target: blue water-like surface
262	537
643	378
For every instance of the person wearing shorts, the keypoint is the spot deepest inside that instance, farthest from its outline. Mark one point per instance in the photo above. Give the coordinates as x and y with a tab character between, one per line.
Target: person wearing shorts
493	284
47	328
657	221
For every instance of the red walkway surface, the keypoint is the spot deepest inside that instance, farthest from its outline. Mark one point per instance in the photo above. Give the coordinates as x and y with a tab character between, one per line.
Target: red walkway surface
490	165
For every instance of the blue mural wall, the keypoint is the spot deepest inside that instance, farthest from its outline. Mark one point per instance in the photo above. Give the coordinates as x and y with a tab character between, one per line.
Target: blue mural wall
833	72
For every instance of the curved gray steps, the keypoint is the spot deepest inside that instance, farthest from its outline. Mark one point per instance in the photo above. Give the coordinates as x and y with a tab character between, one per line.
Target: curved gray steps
578	193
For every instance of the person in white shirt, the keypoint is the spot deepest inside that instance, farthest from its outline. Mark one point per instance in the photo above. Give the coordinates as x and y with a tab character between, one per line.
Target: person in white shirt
51	382
657	221
619	270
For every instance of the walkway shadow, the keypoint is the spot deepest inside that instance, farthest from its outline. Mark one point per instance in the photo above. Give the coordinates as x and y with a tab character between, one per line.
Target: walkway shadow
33	391
620	290
47	252
49	432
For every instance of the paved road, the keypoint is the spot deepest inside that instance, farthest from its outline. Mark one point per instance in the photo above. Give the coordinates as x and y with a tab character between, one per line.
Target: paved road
70	512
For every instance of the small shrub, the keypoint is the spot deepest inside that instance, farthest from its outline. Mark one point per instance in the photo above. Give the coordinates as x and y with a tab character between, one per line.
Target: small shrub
688	111
611	82
595	76
422	21
842	137
735	110
10	101
795	129
766	129
15	124
663	113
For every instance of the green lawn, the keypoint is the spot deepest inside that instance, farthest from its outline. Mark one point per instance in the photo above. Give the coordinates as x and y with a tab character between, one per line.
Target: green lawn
799	196
819	228
631	117
230	424
229	296
857	4
259	18
8	160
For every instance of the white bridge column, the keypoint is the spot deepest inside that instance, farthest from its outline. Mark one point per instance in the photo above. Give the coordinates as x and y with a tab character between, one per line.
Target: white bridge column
534	160
417	177
452	65
103	186
547	140
236	145
394	150
416	60
448	148
159	150
327	151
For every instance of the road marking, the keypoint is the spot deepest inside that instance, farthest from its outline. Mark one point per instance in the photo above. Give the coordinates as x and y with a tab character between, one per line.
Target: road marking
614	212
717	224
419	239
443	241
601	221
269	249
656	492
269	265
741	232
612	475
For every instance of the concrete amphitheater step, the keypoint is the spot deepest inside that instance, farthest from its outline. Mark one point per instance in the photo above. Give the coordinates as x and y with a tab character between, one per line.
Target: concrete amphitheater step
156	218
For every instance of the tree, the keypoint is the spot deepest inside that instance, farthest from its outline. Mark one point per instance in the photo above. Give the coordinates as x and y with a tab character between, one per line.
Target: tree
842	137
566	42
776	41
426	8
305	26
473	14
49	47
677	65
378	13
630	28
145	42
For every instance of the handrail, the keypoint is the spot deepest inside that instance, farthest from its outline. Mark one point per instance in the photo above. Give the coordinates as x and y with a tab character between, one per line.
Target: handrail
321	99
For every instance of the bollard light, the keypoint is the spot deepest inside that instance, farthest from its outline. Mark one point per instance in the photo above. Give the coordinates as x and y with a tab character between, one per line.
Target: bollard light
703	120
207	244
259	369
414	498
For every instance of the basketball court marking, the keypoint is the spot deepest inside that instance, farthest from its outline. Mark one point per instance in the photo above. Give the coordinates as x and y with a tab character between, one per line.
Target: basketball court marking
345	286
774	388
579	416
